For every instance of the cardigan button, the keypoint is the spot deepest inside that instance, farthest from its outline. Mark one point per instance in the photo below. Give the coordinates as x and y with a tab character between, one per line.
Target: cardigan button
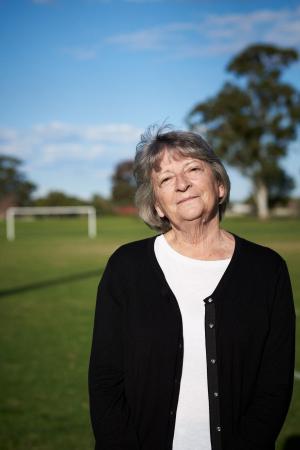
218	428
213	361
210	300
211	325
216	394
171	413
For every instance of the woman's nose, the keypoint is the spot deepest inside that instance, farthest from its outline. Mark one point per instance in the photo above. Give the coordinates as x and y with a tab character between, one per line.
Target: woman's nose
182	183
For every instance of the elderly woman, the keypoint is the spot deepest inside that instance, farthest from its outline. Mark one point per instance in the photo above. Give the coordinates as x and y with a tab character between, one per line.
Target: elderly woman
193	345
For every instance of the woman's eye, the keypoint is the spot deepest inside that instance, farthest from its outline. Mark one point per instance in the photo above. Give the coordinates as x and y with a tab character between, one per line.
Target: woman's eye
194	169
165	179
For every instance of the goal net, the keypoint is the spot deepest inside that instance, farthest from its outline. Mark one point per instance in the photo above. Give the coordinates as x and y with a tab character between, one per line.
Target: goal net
12	212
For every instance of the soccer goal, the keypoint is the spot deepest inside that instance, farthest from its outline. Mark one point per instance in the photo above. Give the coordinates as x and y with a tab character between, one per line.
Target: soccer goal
12	212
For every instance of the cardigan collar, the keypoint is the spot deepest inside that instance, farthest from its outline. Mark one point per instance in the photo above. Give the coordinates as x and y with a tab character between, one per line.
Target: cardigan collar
227	276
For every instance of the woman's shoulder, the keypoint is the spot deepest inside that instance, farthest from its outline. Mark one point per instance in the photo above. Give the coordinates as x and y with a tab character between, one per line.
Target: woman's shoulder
136	251
258	254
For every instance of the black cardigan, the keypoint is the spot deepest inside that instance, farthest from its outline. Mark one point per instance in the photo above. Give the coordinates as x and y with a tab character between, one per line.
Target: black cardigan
137	351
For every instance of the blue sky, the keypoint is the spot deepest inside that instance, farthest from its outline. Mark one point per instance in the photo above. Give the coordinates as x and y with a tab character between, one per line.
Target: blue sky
81	79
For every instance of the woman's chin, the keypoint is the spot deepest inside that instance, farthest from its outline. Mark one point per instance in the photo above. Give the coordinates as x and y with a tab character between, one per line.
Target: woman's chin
194	216
197	216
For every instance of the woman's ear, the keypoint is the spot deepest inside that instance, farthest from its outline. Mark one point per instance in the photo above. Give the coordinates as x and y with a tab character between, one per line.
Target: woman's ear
159	210
221	191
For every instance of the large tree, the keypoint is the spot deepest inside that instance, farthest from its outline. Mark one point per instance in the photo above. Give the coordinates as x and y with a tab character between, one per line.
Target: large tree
58	198
251	121
15	189
123	183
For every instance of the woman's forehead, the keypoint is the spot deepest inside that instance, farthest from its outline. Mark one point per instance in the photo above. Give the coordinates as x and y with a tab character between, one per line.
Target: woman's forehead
168	155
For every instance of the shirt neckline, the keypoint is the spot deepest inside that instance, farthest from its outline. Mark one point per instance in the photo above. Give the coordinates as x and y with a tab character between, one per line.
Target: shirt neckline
223	281
187	259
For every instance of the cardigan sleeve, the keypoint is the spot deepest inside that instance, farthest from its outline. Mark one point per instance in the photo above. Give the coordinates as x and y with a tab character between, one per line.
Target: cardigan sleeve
265	415
110	414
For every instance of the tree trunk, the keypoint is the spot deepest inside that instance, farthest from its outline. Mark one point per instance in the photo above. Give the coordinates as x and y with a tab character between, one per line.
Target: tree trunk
261	198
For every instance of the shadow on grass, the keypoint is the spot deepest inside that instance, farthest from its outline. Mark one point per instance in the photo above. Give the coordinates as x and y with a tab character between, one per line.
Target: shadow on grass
47	283
292	443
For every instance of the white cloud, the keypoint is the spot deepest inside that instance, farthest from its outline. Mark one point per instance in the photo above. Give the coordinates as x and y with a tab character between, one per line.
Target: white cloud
76	158
247	20
140	40
215	34
7	134
81	53
120	133
289	32
56	142
156	38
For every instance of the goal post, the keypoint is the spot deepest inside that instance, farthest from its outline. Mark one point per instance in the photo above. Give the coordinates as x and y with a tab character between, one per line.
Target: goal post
12	212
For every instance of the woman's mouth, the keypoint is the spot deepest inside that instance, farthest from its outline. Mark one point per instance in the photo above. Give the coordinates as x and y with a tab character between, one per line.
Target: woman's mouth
187	199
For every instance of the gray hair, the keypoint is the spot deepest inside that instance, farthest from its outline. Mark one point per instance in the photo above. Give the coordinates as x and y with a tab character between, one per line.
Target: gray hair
148	157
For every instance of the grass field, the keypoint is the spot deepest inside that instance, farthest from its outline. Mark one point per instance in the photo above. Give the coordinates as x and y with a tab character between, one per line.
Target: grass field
49	277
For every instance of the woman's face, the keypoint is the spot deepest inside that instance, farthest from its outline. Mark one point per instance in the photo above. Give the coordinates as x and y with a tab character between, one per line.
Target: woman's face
185	189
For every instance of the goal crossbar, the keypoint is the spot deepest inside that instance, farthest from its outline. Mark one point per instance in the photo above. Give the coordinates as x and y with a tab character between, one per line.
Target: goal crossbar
14	211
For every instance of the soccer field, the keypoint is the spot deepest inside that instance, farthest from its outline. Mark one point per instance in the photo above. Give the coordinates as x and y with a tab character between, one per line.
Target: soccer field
49	277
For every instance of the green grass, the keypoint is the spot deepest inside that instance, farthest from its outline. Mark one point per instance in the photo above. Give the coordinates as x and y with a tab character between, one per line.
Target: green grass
49	276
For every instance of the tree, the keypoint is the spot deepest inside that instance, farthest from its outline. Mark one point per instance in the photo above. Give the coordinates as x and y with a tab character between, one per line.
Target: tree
250	123
279	185
58	198
15	189
123	183
102	205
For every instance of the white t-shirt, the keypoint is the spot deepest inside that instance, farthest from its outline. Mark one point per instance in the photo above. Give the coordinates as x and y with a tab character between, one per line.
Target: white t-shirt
191	280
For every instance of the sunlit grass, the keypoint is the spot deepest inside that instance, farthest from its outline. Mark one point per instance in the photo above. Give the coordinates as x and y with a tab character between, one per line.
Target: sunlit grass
49	276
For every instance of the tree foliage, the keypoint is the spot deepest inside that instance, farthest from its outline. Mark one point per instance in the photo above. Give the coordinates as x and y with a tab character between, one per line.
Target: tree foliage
13	182
251	122
103	205
123	183
58	198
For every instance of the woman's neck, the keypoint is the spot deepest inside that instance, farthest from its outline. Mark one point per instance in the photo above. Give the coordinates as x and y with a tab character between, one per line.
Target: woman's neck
201	240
